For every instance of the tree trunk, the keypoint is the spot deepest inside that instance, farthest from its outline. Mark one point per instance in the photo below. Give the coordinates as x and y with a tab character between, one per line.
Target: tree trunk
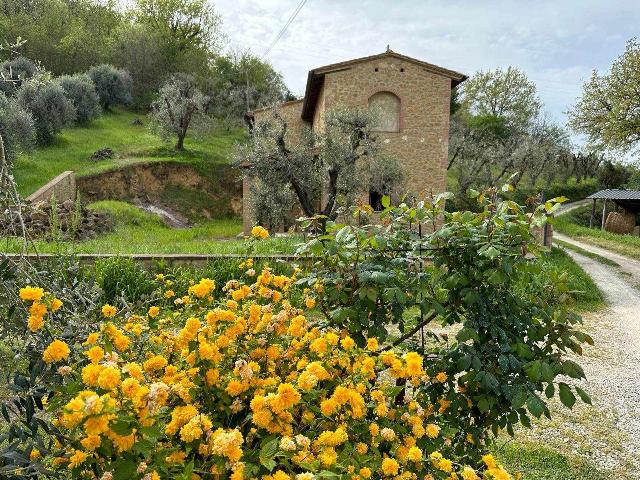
180	143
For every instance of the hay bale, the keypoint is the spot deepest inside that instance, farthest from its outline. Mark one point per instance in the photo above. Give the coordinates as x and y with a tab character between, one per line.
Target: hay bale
622	223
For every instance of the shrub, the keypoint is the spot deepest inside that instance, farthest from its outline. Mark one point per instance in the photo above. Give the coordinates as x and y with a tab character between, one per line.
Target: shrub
113	85
50	108
16	127
81	91
123	279
235	383
509	351
14	72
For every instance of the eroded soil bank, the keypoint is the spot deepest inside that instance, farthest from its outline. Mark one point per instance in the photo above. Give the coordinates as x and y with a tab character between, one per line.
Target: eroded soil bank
173	187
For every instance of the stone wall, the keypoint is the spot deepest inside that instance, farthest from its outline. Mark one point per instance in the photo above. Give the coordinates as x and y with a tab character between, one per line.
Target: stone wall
62	188
422	142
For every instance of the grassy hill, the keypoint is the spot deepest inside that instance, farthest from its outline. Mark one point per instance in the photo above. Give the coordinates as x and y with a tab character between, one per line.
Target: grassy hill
131	144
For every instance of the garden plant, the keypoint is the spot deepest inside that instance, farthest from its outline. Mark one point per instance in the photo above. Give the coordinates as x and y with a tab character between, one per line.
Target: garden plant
314	374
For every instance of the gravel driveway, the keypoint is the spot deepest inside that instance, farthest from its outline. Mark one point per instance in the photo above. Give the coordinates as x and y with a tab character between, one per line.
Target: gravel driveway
609	432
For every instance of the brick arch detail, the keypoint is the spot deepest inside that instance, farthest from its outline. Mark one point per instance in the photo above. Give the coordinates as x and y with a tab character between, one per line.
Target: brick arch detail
392	91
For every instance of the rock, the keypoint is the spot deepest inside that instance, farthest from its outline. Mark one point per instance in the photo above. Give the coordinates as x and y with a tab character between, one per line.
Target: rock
102	154
137	122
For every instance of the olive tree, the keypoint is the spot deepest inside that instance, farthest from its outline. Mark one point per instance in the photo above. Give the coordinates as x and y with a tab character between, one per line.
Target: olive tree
81	91
323	170
112	84
50	108
14	72
180	106
16	127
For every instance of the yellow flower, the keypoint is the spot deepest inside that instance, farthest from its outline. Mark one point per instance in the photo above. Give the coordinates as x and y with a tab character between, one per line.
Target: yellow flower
56	351
33	294
154	311
347	343
414	454
489	461
203	288
35	454
109	311
109	378
35	323
77	458
390	467
365	472
468	473
95	354
441	377
432	430
56	304
259	232
169	294
372	344
310	302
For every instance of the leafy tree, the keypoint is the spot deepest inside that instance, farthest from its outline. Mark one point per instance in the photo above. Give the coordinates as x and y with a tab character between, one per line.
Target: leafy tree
67	36
138	49
608	111
239	83
323	170
51	109
507	94
81	91
497	133
16	127
613	175
179	106
186	24
14	72
113	85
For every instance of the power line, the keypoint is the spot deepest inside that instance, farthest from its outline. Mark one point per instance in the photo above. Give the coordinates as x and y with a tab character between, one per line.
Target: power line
284	28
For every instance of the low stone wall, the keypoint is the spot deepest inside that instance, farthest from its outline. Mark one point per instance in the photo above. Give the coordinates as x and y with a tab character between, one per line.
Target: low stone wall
62	188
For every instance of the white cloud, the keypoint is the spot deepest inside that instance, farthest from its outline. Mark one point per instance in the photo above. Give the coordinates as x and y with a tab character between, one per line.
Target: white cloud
556	43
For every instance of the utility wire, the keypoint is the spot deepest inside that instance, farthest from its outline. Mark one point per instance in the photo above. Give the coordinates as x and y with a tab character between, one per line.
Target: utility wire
284	28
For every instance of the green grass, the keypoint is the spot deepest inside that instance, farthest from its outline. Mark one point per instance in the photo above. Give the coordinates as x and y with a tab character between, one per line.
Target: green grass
539	462
586	253
628	245
131	144
137	231
575	224
588	296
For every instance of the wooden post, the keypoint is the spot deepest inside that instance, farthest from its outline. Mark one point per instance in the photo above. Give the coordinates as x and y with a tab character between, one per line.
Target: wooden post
604	214
593	213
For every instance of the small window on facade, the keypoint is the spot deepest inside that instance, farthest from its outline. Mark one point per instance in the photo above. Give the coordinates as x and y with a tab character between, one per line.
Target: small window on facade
386	107
375	200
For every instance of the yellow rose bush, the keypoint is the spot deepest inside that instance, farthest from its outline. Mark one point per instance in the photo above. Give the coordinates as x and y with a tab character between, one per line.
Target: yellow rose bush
238	382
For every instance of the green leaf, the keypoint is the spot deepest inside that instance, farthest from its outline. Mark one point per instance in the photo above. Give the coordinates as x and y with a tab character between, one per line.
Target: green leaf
386	201
122	427
125	470
566	395
583	395
267	452
535	405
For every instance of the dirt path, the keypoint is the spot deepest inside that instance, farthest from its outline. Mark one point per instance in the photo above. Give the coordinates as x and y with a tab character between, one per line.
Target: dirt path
627	265
611	430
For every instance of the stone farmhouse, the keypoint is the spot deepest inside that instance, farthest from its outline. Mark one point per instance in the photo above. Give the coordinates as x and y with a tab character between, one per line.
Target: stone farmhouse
412	98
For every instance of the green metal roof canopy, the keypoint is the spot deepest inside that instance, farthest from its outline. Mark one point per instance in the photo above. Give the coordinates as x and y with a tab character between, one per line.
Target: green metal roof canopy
627	199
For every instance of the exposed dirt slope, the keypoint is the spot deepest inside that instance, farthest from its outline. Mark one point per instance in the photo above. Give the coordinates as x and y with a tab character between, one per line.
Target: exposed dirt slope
174	187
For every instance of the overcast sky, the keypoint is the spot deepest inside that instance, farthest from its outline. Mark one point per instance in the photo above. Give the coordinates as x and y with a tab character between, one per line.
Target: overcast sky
557	43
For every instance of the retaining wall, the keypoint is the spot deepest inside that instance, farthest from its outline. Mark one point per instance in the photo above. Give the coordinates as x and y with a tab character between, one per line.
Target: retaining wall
63	188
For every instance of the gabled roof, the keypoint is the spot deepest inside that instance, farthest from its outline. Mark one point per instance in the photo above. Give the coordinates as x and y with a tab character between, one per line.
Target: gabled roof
316	77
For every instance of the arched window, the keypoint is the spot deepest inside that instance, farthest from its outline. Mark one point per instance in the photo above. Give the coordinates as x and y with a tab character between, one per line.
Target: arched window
386	107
